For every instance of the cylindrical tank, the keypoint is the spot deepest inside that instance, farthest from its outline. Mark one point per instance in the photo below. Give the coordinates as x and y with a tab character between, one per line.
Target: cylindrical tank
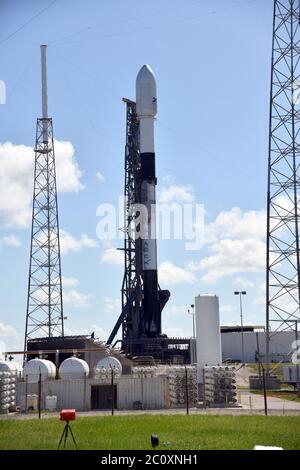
208	336
110	362
11	366
73	368
35	367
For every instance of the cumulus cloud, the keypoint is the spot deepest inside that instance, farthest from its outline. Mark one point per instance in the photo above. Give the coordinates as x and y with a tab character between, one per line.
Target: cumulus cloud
69	243
16	179
70	281
243	283
177	332
99	176
10	240
170	274
77	299
7	331
112	305
10	339
170	311
112	256
235	242
176	194
227	308
99	332
236	224
231	257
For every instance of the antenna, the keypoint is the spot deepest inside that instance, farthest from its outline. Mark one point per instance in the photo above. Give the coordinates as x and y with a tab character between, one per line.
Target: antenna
44	81
44	90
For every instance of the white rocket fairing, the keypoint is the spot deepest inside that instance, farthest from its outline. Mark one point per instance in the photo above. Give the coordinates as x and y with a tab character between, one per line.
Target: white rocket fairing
146	109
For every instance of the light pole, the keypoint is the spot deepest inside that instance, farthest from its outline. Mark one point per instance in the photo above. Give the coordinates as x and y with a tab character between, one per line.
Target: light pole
193	313
240	293
194	335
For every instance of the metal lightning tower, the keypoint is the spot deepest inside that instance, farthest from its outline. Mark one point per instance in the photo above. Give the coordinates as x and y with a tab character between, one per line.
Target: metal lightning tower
283	258
44	316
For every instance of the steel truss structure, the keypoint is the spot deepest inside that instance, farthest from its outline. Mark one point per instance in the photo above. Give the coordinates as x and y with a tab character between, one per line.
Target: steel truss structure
44	316
283	258
132	280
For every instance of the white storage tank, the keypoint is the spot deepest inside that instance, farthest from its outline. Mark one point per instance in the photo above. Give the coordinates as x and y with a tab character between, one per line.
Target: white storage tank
35	367
208	336
51	402
110	362
73	368
11	366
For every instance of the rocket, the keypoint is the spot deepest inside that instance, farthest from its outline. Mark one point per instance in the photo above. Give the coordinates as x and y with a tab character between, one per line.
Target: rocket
146	109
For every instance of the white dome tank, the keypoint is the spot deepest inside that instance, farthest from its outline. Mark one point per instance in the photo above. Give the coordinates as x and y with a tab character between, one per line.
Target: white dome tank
35	367
110	362
73	368
10	366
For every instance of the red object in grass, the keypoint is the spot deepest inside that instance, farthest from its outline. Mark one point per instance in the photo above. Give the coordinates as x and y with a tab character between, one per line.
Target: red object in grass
68	415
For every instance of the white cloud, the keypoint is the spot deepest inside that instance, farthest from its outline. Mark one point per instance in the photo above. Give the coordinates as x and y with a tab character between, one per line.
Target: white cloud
112	256
16	179
169	274
231	257
77	299
99	176
69	243
67	170
261	293
243	283
11	340
168	180
175	310
176	194
235	241
7	331
226	308
10	240
177	332
70	281
97	330
236	224
112	305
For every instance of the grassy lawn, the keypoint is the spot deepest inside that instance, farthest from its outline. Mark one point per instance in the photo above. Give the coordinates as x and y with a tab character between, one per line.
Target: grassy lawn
277	370
175	432
274	368
284	394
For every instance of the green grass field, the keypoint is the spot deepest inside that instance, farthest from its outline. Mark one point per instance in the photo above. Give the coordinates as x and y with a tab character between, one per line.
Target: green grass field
175	432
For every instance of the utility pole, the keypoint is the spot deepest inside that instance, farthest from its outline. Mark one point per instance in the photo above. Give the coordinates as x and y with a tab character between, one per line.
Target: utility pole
240	293
193	349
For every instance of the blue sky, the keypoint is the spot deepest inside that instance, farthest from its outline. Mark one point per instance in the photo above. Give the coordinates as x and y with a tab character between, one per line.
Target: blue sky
212	64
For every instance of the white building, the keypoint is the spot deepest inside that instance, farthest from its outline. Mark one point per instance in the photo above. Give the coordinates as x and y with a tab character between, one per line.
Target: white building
254	341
